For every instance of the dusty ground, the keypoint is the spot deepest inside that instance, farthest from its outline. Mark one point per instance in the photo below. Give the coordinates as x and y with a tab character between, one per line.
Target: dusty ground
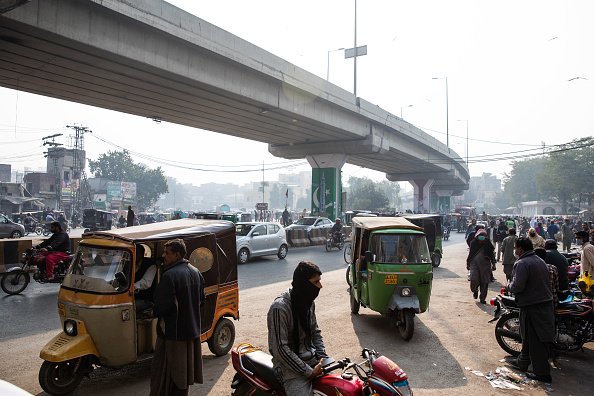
452	335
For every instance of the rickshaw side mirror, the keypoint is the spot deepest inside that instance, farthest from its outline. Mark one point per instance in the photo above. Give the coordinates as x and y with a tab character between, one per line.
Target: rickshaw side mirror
369	257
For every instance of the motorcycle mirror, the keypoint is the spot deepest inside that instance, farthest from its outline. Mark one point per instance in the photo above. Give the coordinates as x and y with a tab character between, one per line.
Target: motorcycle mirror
369	257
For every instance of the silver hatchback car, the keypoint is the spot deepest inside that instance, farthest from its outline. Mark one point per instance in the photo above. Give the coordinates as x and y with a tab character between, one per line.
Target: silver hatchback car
10	229
260	239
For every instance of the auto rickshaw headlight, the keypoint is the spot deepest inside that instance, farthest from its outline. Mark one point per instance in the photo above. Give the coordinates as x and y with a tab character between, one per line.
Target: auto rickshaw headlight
405	292
70	327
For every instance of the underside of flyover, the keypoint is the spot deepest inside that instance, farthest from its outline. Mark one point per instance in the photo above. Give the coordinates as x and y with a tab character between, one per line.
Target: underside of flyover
40	61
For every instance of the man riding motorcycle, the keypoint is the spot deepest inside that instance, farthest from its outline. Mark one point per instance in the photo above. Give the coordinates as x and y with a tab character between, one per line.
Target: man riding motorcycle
29	223
53	250
336	231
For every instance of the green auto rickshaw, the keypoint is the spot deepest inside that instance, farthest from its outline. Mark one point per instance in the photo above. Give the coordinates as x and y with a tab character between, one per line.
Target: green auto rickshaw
390	270
432	226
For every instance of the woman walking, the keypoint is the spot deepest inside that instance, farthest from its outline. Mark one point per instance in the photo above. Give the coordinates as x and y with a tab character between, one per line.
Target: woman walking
480	263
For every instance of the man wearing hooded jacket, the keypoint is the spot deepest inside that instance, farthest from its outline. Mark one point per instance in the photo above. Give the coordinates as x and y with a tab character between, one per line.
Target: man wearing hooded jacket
294	338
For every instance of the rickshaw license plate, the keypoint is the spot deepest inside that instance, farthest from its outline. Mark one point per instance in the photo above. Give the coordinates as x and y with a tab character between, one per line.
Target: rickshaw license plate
61	309
391	280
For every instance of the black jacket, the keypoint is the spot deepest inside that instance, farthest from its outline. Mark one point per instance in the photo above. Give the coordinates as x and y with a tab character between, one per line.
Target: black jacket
58	242
530	280
558	260
178	298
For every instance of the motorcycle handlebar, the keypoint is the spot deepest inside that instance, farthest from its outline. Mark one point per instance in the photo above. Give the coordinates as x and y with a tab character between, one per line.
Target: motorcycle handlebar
336	365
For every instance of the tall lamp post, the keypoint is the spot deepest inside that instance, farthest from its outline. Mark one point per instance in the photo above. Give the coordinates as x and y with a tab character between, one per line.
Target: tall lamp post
401	109
447	110
328	68
466	140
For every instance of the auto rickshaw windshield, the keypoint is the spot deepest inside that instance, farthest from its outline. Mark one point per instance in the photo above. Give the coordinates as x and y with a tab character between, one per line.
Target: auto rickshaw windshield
400	248
99	270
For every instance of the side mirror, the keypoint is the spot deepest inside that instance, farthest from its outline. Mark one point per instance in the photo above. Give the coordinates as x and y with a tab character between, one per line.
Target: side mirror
255	234
369	257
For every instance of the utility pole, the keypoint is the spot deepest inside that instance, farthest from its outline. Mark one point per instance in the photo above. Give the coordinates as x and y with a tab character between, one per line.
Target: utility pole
54	152
78	170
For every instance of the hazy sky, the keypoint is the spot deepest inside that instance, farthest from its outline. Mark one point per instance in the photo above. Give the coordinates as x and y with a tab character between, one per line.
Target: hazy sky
508	64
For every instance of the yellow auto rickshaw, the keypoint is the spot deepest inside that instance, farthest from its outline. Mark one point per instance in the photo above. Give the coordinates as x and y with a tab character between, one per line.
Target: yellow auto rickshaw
97	306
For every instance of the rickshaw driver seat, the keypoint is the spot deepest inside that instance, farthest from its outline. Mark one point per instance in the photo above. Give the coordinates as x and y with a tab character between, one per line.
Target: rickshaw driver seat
144	284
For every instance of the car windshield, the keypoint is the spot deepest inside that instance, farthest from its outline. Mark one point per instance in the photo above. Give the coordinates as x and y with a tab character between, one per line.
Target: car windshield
243	229
306	221
400	248
99	270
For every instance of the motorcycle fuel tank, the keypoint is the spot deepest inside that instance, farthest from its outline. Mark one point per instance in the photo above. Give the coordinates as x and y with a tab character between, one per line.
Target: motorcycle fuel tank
389	378
335	384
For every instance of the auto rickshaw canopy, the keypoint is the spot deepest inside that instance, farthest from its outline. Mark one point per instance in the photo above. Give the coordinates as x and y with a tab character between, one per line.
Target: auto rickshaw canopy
380	223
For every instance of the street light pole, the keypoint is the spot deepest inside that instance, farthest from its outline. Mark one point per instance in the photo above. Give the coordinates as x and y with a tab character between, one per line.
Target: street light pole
355	47
328	68
447	110
466	140
401	109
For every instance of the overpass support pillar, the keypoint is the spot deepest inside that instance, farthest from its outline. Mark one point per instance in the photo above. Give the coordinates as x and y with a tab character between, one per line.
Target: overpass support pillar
422	194
443	201
326	184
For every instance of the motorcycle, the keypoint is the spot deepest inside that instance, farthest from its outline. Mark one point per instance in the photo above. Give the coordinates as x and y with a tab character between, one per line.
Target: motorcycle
335	239
16	279
574	324
446	233
32	228
376	375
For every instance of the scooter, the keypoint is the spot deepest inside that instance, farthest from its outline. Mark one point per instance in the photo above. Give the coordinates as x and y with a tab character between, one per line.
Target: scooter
16	279
376	375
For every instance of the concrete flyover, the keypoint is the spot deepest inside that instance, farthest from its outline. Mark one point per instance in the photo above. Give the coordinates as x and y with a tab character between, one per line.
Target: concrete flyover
154	60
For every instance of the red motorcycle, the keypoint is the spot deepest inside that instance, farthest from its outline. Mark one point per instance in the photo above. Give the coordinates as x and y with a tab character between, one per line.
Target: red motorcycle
376	375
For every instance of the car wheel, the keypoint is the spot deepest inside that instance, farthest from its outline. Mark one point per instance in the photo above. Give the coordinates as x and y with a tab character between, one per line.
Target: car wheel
282	251
16	234
243	256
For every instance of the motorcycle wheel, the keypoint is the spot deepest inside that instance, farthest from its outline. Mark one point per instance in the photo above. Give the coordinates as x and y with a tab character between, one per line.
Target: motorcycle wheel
328	245
46	231
38	230
60	378
347	253
511	322
407	324
14	282
223	336
355	305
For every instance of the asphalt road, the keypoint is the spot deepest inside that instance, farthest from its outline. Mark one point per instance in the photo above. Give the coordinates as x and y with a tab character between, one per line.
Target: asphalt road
452	335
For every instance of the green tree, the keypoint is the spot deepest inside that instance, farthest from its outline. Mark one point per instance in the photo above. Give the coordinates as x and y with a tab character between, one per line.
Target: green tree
368	197
392	191
520	183
119	166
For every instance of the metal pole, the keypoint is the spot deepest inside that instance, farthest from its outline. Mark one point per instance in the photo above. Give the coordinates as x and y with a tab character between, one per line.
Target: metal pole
466	143
447	116
355	57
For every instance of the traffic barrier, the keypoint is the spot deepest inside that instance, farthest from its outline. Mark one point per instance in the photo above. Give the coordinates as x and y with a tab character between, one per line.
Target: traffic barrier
318	236
297	238
11	251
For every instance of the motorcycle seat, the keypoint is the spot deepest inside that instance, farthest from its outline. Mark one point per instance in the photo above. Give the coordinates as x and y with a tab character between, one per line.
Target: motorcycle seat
260	363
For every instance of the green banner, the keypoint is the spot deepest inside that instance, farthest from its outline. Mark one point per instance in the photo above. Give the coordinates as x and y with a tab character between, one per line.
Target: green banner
444	205
325	187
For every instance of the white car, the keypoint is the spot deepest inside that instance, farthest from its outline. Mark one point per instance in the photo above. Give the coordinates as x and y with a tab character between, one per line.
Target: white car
260	239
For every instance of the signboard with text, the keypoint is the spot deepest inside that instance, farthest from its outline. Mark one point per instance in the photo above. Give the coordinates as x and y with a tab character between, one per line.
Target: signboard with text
262	206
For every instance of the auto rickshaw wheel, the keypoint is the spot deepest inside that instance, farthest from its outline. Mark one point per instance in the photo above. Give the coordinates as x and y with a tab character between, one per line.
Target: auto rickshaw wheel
62	377
436	259
407	323
223	337
355	305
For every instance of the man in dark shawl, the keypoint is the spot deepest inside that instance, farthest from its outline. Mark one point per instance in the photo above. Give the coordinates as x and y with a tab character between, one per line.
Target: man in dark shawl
480	263
177	362
294	338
